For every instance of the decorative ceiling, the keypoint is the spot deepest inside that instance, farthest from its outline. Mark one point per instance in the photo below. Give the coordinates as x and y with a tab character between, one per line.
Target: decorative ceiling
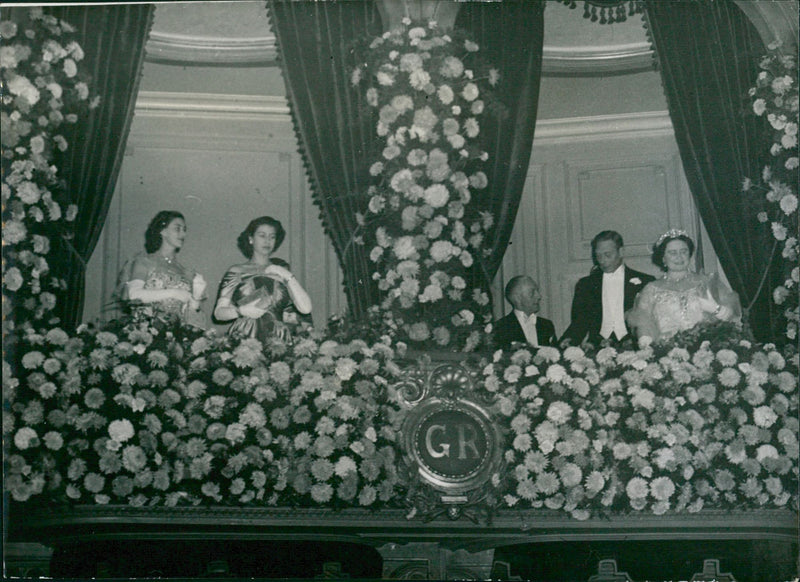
238	33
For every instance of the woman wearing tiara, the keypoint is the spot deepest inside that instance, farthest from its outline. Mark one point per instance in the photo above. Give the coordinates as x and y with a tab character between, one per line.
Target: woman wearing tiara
680	299
154	284
261	296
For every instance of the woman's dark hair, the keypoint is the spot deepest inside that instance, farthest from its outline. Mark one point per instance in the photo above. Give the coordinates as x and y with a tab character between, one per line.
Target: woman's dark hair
152	236
243	241
661	246
611	235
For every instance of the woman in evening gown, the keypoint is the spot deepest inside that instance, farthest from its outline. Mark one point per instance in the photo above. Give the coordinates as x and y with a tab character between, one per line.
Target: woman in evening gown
262	297
155	284
681	299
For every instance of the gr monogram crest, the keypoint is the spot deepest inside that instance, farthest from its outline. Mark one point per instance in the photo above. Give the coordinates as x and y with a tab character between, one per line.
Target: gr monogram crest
451	444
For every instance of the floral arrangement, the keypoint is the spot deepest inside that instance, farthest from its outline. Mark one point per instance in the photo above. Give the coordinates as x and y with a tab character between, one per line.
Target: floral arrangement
425	237
42	90
150	413
656	431
144	415
775	97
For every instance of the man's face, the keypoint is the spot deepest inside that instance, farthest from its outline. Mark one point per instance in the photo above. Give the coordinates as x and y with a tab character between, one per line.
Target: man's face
528	298
608	256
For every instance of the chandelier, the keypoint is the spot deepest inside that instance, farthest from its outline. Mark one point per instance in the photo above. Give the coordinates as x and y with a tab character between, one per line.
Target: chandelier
609	11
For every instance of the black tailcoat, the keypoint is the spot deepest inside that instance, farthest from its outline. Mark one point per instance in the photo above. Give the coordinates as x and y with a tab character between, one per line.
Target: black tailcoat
587	304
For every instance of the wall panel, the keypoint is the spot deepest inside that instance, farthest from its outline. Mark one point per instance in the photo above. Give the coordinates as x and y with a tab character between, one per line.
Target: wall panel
606	195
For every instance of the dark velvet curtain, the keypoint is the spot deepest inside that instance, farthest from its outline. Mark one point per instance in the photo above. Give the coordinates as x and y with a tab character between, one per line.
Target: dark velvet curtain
113	39
335	135
336	131
708	54
510	35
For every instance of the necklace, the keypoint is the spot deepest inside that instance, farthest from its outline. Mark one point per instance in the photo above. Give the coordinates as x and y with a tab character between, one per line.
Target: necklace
169	260
676	279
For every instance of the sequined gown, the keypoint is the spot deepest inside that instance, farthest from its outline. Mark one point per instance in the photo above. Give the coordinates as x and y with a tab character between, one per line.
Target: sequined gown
663	309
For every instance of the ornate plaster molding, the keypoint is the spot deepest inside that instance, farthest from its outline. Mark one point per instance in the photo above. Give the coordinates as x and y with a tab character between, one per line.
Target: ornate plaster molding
582	60
647	123
216	106
212	106
200	50
256	108
773	20
178	48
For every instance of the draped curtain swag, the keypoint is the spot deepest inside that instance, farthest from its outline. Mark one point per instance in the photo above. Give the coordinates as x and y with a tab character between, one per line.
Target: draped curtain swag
337	132
708	54
335	135
511	36
113	39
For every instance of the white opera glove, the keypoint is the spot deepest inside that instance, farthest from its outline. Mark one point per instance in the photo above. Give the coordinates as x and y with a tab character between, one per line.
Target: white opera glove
250	310
279	272
723	313
136	291
198	287
645	341
708	304
181	295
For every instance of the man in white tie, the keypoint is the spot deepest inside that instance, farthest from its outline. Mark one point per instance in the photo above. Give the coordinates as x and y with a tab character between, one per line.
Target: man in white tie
523	325
602	298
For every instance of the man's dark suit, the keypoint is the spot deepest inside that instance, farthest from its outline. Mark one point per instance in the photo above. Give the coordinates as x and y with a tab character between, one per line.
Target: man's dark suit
507	330
587	304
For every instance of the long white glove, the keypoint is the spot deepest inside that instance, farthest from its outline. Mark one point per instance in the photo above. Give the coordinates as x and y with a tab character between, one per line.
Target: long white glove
137	291
250	310
299	295
198	287
710	305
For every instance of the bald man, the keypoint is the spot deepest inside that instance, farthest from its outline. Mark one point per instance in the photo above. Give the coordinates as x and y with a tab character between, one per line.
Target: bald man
523	324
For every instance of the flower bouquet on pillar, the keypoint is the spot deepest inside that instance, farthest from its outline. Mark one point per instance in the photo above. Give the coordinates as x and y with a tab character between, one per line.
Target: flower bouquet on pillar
424	225
42	92
774	193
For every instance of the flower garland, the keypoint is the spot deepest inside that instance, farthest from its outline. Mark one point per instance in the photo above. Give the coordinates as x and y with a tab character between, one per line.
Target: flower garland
425	235
775	97
145	415
656	431
41	91
142	415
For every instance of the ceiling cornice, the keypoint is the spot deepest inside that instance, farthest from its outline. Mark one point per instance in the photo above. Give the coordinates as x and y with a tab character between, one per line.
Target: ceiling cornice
604	59
203	50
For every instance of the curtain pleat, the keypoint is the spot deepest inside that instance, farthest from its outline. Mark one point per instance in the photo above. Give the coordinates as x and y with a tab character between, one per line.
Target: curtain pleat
708	55
511	36
336	130
113	39
333	125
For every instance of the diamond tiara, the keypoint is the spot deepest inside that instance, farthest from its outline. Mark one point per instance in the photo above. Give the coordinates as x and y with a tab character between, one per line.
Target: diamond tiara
671	233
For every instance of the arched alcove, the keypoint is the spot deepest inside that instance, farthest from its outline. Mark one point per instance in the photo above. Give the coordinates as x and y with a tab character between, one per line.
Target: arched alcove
773	20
